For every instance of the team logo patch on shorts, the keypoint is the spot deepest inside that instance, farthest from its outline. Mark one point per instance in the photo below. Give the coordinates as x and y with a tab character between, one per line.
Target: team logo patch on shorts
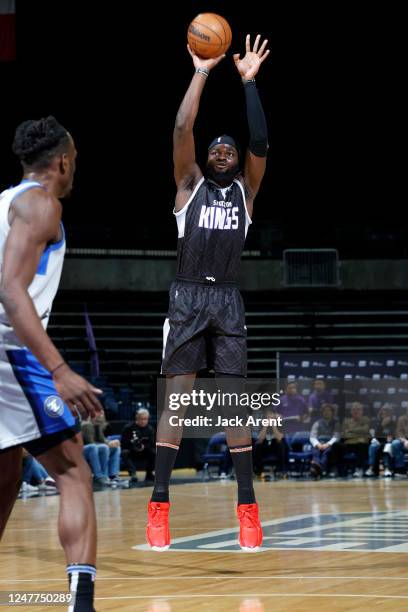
54	406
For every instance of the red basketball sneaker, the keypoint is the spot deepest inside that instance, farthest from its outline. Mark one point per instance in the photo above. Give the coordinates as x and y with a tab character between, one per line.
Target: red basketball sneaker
250	530
157	530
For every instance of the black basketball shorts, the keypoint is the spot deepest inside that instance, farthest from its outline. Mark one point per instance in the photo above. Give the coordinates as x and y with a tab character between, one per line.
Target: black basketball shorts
204	328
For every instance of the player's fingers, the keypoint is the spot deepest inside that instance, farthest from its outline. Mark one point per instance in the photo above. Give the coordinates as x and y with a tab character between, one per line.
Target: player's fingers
89	405
191	52
97	406
83	396
248	43
89	400
265	55
256	43
96	390
77	409
235	57
262	49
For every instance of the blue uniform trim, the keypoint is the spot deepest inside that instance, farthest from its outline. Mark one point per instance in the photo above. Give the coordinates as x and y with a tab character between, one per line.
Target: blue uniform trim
50	413
43	263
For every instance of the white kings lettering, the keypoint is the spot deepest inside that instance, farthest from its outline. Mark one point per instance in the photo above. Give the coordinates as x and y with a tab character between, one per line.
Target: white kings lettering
222	215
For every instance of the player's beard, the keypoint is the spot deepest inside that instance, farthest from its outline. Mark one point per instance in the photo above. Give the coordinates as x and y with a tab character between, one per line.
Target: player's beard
223	179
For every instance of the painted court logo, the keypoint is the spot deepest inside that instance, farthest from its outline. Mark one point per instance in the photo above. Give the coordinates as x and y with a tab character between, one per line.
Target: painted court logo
384	531
54	406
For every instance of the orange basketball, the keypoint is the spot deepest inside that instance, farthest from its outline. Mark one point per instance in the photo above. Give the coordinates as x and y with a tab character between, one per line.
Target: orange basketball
209	35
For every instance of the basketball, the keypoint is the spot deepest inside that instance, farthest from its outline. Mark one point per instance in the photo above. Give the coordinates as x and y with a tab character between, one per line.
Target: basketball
209	35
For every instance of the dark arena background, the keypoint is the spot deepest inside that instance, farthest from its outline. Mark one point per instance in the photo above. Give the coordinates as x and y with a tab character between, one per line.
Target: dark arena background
324	279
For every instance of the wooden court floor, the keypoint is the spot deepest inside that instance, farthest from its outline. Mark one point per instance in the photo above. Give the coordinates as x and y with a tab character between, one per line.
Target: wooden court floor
337	545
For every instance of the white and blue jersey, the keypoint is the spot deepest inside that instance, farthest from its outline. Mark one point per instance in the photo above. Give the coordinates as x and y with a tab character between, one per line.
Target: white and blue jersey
45	283
30	406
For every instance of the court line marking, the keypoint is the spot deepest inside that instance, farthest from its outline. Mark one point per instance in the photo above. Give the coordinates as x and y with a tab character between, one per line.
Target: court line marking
199	595
385	550
349	522
217	577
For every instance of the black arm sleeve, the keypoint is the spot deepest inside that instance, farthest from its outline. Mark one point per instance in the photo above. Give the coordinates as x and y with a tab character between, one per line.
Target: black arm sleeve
258	134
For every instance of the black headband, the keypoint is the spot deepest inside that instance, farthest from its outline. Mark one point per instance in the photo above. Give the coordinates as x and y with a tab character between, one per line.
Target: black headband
228	140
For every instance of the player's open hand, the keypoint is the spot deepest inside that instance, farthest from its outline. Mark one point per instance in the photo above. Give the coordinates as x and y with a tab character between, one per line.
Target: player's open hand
249	65
77	393
200	62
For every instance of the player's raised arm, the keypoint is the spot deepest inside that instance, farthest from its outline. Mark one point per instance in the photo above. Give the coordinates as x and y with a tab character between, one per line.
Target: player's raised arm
186	171
255	160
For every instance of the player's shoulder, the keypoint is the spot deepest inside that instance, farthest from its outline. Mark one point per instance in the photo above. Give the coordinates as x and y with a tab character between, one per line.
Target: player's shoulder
37	196
36	203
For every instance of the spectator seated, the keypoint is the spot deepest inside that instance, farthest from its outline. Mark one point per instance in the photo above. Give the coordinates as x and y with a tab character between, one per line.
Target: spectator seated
214	454
300	452
138	441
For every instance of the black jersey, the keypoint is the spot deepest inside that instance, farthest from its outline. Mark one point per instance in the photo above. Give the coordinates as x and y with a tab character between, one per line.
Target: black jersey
212	229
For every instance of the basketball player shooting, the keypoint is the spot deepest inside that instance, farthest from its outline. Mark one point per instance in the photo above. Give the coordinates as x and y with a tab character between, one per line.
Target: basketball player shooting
213	211
40	395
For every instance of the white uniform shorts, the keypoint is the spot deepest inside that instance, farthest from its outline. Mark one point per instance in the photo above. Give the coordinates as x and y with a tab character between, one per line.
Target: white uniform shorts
30	407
